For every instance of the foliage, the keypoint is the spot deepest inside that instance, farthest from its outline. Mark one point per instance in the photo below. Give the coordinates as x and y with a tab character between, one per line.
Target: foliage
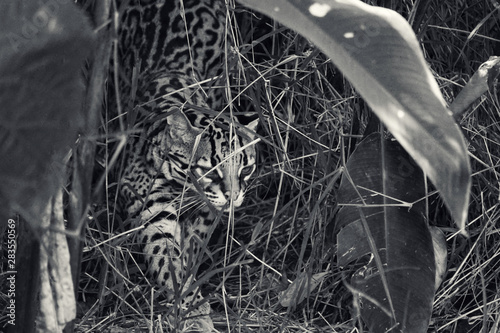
376	50
313	116
382	214
42	48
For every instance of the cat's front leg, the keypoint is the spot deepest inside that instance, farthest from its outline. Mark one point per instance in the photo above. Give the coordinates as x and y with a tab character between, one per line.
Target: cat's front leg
166	254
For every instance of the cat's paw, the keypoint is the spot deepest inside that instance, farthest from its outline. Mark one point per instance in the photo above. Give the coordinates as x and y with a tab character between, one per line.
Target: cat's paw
198	324
198	320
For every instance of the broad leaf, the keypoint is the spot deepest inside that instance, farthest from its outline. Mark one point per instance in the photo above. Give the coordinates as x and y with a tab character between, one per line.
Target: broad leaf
378	52
42	48
382	215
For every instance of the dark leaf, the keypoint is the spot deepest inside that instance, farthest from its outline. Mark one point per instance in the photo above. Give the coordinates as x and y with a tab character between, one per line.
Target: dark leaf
382	216
42	48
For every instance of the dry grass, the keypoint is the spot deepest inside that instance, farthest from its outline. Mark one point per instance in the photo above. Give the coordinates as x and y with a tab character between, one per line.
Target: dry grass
310	116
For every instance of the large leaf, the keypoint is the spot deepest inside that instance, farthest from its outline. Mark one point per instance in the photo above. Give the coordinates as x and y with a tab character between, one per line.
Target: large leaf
42	48
43	45
382	214
377	51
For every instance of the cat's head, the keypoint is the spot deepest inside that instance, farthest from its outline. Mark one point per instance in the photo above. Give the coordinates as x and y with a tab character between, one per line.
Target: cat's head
219	158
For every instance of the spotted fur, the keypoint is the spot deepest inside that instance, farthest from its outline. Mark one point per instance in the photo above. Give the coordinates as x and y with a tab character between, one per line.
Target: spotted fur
185	161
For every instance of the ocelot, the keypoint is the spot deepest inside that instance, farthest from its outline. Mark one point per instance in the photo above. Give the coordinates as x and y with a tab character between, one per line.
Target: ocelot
186	160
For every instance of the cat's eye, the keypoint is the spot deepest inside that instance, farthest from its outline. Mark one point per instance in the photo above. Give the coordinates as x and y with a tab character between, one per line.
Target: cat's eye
247	170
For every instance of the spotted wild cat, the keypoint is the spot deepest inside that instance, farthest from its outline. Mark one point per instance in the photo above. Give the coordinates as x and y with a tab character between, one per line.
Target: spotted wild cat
185	160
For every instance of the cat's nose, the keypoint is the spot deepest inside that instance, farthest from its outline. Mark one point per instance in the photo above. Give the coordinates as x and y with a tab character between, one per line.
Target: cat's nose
231	195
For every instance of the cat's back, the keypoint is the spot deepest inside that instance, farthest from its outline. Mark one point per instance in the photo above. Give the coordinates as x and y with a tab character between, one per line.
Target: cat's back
179	36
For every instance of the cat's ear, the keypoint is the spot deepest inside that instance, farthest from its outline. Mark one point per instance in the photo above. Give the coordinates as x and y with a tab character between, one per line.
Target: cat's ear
252	128
180	127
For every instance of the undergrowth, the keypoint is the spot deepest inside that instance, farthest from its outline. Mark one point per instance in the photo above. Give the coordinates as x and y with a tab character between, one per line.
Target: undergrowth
311	119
